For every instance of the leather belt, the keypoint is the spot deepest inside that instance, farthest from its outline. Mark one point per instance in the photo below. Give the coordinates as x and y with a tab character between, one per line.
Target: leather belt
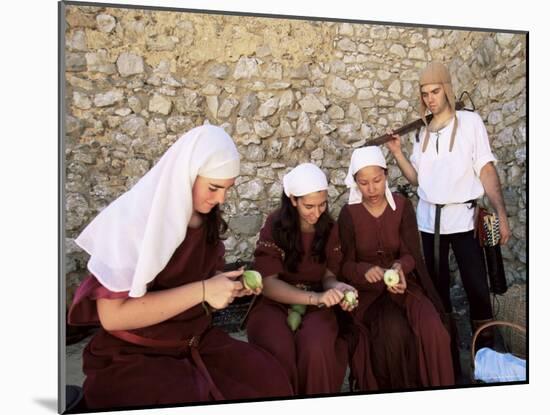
309	287
133	338
437	239
191	345
437	234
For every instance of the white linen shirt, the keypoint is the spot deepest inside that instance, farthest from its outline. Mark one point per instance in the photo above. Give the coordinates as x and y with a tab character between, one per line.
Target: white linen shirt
451	178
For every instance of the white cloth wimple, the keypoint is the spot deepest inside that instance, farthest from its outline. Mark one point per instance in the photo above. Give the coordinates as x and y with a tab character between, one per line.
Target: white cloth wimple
304	179
363	157
134	237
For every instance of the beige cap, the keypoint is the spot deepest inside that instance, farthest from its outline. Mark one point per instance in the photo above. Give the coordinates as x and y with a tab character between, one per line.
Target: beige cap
437	73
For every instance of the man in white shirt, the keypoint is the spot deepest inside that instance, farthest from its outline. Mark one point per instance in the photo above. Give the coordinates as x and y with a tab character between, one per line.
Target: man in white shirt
452	165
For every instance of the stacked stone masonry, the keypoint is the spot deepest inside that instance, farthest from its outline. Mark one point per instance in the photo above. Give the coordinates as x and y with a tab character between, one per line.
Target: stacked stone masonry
288	91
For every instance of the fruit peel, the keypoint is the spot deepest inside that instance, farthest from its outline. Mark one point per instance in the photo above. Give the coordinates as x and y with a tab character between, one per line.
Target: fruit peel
252	280
299	308
391	277
293	320
350	298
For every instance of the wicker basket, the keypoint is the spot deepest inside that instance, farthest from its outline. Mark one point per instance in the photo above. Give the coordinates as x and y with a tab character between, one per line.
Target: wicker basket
512	307
501	324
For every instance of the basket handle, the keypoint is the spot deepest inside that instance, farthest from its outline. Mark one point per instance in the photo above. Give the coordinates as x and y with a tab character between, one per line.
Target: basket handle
489	324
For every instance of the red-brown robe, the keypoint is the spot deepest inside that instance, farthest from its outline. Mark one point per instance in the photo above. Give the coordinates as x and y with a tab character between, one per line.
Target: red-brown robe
398	341
314	357
122	374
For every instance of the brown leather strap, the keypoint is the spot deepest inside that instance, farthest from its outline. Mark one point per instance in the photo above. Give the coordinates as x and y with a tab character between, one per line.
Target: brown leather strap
188	344
309	287
437	233
216	394
149	342
437	240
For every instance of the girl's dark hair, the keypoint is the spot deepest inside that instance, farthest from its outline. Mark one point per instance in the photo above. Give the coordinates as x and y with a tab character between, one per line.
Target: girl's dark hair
215	225
286	234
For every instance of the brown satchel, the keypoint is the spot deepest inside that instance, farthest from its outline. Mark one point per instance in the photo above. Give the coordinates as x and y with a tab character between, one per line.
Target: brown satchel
487	227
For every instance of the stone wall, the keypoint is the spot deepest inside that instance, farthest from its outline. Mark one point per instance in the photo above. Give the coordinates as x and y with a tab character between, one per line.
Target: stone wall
288	91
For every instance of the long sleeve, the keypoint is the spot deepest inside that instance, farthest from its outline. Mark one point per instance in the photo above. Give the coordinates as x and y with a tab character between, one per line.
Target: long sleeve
333	251
220	253
407	230
411	239
268	257
352	270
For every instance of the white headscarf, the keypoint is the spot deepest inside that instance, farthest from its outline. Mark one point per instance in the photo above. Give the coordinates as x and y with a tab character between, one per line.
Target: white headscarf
304	179
134	237
363	157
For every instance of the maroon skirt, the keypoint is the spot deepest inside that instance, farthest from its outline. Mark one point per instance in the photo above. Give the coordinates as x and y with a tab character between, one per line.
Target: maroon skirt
399	342
314	357
126	371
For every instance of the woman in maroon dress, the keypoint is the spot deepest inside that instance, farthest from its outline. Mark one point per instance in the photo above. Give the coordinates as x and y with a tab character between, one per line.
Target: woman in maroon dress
155	260
298	253
399	340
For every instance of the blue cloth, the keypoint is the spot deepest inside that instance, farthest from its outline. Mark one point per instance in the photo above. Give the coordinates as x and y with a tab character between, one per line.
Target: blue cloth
491	366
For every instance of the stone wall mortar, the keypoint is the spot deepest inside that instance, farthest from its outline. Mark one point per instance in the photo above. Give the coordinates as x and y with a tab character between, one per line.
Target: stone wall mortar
287	91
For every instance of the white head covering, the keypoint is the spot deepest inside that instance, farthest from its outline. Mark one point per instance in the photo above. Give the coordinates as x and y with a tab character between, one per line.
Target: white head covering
304	179
363	157
134	237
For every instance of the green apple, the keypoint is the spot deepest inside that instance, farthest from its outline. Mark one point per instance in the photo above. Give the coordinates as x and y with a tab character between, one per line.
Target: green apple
252	280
